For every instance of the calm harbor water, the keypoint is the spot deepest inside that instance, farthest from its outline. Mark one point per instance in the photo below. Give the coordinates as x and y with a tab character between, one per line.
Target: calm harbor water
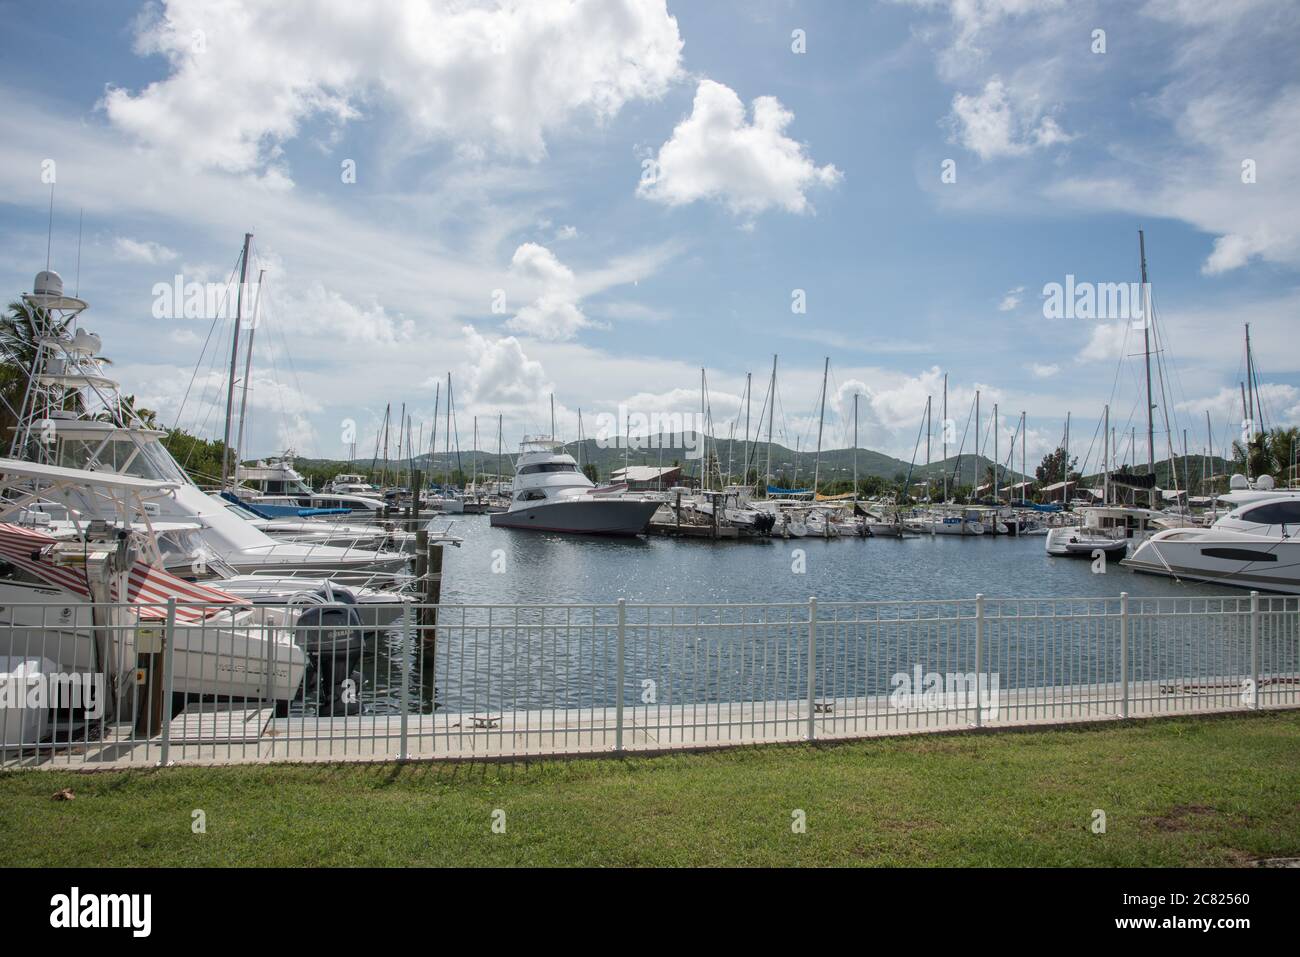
536	567
494	660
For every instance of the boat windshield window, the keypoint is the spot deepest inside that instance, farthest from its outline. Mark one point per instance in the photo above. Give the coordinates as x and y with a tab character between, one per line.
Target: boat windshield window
121	455
548	467
1274	513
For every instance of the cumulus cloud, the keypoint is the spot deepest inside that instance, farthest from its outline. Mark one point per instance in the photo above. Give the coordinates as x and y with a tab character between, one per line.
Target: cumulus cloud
490	76
996	122
323	311
500	374
141	251
555	313
1044	370
749	165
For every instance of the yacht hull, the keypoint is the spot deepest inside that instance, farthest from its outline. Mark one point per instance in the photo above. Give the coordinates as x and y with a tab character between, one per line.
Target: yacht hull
589	517
1262	564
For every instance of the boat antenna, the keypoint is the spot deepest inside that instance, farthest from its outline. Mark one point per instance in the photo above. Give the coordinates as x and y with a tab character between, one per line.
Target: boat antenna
49	231
76	286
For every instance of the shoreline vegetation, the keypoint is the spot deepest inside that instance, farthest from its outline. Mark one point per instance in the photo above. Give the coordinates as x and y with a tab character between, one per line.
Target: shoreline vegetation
1187	791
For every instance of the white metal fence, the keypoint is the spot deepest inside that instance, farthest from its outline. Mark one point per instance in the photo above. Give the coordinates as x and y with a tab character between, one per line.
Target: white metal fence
181	683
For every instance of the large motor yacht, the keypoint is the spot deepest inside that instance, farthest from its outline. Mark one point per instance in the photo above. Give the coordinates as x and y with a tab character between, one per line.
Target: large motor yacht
1256	545
551	494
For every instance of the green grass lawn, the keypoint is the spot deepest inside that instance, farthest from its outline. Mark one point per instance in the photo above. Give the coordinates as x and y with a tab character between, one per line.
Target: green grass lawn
1187	791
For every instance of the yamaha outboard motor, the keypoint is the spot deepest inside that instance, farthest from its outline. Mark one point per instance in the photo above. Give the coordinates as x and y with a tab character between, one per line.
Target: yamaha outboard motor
332	635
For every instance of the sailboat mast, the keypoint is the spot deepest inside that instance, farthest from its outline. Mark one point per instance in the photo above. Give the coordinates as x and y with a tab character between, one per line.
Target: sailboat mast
944	424
248	367
1024	475
975	477
821	422
771	414
1105	456
234	359
1065	466
1146	351
433	433
997	462
749	398
855	446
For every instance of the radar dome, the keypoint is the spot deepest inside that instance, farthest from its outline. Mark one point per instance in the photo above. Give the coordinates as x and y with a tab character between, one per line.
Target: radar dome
1238	482
48	283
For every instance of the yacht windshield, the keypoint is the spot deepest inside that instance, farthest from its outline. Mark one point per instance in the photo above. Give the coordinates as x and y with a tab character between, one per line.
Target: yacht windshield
121	454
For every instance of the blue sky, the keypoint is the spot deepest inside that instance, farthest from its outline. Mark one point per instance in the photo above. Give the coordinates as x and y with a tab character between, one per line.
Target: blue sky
500	150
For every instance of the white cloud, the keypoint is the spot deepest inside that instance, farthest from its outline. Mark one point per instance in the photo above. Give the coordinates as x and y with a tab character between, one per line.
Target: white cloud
555	313
1105	342
1044	370
718	154
246	76
322	311
500	374
142	251
998	122
1011	299
566	232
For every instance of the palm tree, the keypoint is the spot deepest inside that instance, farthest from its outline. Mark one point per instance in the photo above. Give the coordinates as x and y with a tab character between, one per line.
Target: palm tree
20	331
1257	456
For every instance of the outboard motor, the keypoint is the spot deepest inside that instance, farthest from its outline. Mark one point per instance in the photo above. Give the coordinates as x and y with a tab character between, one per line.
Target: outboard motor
332	635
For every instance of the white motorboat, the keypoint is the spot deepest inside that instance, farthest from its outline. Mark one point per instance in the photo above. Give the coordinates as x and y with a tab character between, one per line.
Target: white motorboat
74	416
551	494
56	588
275	482
1256	545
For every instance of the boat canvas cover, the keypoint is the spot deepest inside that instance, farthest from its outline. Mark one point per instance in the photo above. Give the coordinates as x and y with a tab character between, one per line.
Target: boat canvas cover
146	585
773	490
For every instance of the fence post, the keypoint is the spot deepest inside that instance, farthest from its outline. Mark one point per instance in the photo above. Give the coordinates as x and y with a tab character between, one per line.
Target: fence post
618	692
403	753
1123	654
1254	649
812	667
169	658
979	657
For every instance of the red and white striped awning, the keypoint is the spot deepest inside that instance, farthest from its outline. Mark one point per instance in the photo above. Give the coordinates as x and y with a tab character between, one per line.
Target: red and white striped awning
146	585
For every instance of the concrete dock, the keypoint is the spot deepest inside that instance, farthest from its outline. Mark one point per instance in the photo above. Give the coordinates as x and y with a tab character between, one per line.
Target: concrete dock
208	736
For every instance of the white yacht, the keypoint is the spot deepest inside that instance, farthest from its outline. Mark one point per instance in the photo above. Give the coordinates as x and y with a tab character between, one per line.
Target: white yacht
551	494
75	416
275	482
351	483
50	580
1256	545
